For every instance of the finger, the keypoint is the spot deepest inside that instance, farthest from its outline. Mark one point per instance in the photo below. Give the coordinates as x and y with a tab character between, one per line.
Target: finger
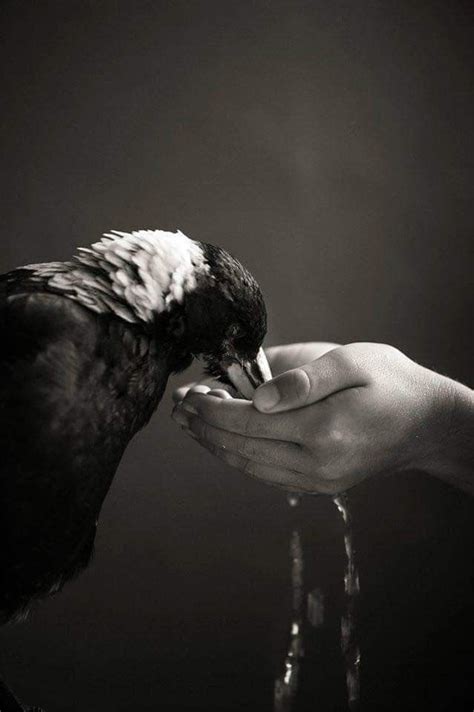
270	452
277	477
199	388
212	385
239	416
213	382
179	393
195	388
336	370
219	393
269	475
286	356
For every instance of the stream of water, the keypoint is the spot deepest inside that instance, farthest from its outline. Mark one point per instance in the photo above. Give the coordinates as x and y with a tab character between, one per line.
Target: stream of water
286	685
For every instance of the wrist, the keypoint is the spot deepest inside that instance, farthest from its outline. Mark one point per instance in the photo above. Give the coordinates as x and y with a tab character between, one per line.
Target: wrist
451	455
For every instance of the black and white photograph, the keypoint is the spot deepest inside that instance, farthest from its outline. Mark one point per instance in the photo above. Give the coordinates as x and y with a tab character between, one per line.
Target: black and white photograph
236	356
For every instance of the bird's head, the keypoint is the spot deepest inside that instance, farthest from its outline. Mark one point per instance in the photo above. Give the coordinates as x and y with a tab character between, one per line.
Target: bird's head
199	300
225	322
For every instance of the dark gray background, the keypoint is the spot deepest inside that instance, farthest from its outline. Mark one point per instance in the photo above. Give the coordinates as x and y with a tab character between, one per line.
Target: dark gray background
329	146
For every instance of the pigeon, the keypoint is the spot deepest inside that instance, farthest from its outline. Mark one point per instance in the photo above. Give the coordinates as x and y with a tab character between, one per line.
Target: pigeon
87	348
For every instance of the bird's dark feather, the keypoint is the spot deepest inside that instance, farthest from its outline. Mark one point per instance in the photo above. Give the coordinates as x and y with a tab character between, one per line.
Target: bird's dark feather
74	389
86	350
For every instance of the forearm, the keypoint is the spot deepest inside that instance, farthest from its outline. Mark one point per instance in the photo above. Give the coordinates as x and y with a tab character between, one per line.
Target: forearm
452	458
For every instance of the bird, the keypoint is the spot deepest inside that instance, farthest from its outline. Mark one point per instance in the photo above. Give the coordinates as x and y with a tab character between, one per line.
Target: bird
87	348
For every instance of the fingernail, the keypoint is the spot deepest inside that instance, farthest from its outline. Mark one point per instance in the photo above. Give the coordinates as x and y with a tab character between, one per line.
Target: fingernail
266	397
180	417
188	407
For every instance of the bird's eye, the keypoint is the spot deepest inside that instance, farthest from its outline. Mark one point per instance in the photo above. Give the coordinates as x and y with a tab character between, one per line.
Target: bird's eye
235	330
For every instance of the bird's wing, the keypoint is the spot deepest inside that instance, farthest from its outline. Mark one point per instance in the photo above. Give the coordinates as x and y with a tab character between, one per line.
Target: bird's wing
69	404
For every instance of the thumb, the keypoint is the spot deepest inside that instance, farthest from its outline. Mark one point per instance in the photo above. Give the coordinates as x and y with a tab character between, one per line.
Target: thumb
332	372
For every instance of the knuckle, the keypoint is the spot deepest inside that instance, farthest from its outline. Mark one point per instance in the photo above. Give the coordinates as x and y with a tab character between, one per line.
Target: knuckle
300	386
393	355
341	358
250	468
388	349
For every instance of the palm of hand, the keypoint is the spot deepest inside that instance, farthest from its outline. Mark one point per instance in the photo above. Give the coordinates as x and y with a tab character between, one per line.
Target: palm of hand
360	410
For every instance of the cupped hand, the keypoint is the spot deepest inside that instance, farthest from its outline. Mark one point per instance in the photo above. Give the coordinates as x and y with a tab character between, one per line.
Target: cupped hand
326	423
281	358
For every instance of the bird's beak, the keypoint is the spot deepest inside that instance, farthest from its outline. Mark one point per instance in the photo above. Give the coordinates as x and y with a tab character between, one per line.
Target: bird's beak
246	376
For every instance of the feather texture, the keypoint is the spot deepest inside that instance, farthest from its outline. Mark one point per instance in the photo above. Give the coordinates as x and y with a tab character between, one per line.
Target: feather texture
133	275
87	347
75	388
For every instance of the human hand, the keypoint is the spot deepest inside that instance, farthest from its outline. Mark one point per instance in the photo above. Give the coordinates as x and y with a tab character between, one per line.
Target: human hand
356	411
280	358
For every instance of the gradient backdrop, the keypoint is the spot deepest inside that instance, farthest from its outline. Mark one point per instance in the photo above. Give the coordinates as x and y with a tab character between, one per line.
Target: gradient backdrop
329	146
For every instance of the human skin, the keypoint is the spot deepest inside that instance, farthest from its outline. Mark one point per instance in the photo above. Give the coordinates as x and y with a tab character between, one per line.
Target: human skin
343	413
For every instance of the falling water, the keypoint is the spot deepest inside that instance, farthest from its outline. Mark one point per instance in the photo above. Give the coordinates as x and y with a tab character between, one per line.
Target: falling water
286	686
349	644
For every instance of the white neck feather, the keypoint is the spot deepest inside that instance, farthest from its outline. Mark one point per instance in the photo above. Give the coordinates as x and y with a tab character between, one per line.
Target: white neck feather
136	275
